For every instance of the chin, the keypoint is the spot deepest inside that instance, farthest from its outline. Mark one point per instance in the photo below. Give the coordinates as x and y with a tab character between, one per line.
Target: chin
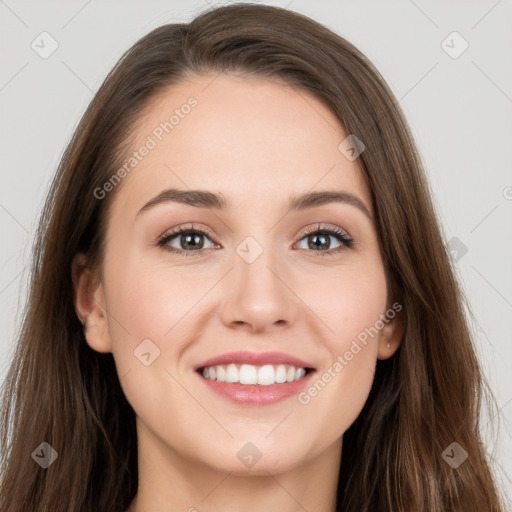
264	466
258	458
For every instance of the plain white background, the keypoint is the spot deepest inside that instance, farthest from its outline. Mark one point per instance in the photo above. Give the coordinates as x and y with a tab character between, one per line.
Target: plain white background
459	108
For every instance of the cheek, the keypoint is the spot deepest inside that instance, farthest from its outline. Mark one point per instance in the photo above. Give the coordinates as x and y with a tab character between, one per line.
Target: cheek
151	308
350	304
341	387
344	396
150	298
348	301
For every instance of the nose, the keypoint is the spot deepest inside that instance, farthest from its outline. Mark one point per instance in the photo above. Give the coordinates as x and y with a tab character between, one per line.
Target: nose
258	296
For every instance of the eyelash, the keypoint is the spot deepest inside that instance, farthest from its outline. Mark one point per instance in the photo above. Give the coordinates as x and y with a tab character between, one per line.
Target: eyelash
339	234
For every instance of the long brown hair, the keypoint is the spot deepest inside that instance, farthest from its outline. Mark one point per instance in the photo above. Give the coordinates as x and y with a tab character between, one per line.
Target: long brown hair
427	396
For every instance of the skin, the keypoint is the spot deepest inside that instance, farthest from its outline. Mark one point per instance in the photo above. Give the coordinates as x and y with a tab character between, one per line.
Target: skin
257	142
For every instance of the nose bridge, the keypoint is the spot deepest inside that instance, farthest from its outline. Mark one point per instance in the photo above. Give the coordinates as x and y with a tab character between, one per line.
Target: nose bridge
256	293
258	263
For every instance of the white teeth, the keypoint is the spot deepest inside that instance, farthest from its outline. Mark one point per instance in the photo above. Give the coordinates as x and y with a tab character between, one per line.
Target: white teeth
280	374
221	374
300	373
266	375
232	374
248	374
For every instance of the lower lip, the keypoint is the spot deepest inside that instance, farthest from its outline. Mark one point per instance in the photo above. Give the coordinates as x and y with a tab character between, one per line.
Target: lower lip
254	395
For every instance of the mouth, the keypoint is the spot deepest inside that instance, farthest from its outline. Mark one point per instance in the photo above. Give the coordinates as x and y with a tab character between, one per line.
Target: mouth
252	375
251	379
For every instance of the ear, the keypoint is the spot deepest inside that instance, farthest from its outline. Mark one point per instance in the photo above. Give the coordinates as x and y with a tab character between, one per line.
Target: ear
90	306
391	334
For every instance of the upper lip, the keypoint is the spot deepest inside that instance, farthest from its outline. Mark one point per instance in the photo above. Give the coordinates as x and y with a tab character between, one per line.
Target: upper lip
254	358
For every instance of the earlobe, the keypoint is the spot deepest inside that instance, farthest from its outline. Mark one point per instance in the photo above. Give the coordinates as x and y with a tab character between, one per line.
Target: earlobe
90	306
391	336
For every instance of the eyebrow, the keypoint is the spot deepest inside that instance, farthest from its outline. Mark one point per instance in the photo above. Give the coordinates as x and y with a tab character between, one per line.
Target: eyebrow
207	199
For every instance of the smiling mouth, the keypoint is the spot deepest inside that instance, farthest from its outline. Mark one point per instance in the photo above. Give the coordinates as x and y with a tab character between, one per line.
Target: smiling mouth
254	375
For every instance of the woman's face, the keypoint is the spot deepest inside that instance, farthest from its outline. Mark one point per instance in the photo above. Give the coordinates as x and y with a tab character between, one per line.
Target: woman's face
251	276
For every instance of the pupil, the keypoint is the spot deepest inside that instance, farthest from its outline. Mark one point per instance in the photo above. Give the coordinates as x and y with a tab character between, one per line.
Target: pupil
324	244
193	237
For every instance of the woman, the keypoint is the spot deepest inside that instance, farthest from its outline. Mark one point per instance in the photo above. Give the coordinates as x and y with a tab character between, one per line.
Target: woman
241	297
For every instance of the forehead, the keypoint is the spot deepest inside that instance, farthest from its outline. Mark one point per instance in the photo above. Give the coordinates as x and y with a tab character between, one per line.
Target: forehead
252	139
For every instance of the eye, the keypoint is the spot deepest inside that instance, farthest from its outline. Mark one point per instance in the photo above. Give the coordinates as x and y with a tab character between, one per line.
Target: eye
318	238
188	240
